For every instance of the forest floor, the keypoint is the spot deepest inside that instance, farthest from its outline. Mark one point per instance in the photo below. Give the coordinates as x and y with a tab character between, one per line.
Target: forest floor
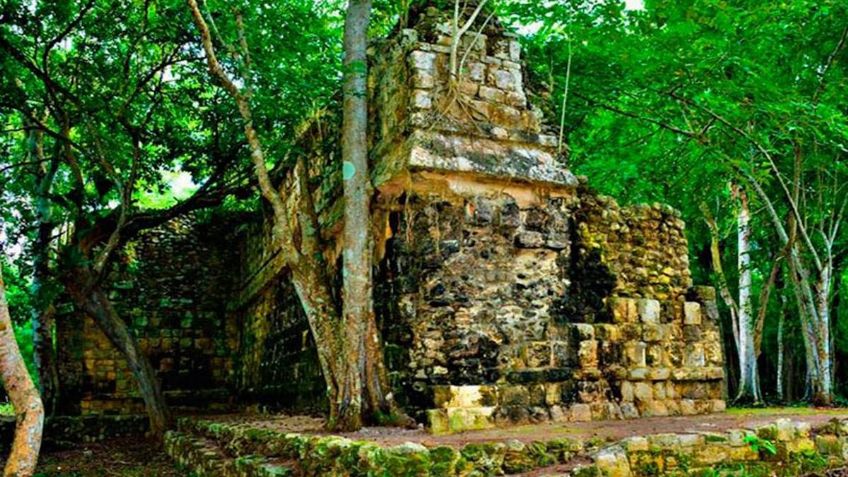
125	457
136	457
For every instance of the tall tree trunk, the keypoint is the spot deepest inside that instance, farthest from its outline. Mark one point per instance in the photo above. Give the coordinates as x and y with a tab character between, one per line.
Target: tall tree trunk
29	410
357	304
90	298
357	289
43	311
748	377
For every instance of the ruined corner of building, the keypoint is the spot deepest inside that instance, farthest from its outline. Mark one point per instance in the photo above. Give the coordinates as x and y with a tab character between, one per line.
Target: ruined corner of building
507	291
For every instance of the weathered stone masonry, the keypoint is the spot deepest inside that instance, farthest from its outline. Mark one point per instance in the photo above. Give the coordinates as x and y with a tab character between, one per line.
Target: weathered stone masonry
507	291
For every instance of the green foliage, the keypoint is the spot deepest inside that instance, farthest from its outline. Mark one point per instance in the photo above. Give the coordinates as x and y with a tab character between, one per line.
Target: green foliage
759	444
670	102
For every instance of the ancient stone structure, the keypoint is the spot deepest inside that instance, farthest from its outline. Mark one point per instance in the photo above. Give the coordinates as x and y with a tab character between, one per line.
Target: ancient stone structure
507	290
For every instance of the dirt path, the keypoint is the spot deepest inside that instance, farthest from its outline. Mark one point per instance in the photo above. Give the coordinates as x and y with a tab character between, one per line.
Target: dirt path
124	457
606	430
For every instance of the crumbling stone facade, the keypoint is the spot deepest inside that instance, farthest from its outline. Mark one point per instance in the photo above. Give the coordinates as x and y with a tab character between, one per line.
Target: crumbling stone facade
507	291
172	287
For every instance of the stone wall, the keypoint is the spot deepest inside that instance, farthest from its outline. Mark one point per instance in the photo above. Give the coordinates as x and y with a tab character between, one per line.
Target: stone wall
172	287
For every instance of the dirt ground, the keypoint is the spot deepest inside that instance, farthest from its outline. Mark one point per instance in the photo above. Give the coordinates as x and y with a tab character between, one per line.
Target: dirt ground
606	430
125	457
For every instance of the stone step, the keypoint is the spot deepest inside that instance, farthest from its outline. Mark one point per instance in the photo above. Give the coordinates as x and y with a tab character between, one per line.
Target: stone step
204	458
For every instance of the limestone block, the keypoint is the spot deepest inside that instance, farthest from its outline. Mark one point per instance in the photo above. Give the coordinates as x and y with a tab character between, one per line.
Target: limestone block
635	444
635	354
514	395
659	390
516	98
630	331
587	354
691	440
613	462
667	441
476	71
627	391
464	396
514	50
492	94
653	408
743	454
446	421
424	61
691	333
422	99
649	311
638	374
581	413
659	374
736	437
502	79
553	394
607	332
653	333
624	310
687	407
629	411
694	356
710	454
423	80
718	405
643	392
691	313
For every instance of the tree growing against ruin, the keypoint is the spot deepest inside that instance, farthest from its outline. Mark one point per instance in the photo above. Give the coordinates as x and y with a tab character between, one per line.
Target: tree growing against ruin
29	411
103	146
345	333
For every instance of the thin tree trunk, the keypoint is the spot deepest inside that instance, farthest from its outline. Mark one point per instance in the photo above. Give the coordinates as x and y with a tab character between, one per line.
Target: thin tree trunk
43	311
781	349
29	411
748	388
91	299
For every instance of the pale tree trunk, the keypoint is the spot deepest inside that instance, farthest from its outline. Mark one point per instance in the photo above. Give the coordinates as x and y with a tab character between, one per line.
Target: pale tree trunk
813	305
781	348
357	305
748	378
357	288
18	384
43	312
92	300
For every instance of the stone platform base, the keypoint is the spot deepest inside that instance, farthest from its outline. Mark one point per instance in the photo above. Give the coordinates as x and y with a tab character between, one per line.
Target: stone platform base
783	449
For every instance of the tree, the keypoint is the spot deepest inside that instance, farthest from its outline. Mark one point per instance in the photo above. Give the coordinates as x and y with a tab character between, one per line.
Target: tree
346	333
29	411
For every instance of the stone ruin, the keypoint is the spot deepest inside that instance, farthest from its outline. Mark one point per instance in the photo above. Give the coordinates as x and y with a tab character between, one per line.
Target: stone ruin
506	290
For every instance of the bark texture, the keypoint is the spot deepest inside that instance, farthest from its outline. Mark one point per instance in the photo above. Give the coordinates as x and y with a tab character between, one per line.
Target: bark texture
29	410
